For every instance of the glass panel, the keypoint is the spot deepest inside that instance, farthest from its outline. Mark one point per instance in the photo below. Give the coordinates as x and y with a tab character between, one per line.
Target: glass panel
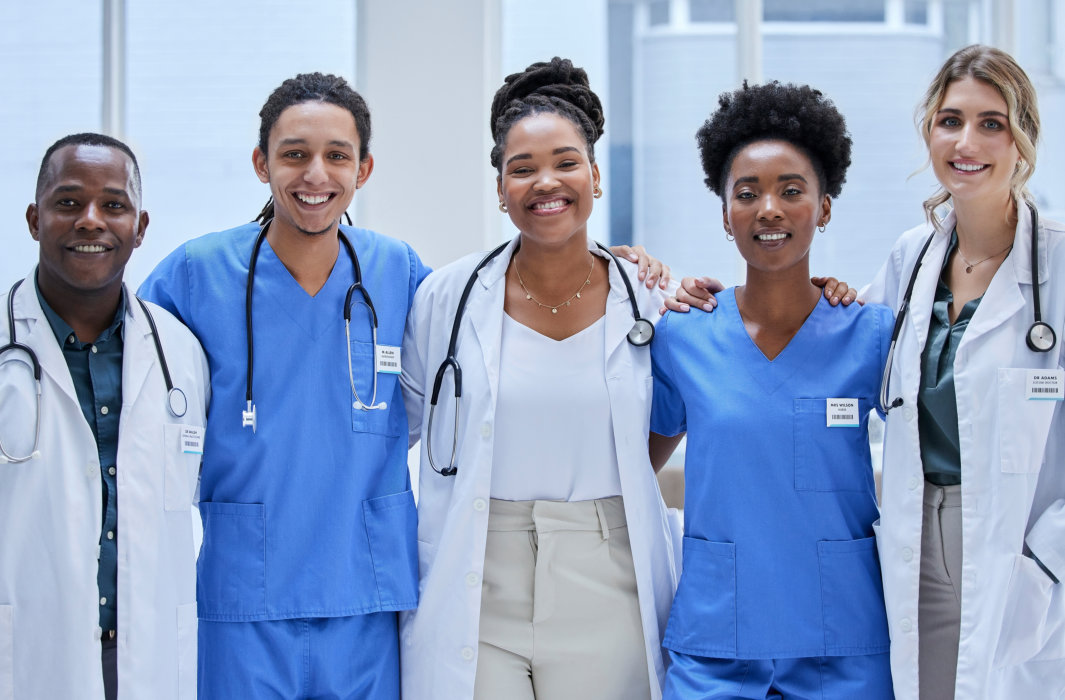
659	12
824	11
712	10
916	12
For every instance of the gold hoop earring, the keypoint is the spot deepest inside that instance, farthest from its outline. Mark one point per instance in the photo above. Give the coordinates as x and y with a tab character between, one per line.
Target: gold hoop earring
596	192
503	206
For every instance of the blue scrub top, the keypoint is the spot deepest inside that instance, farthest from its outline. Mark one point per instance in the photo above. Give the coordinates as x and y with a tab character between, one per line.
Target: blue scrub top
312	515
779	556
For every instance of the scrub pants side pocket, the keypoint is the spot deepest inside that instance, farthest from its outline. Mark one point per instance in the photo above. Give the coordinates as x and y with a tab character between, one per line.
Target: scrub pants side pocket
7	652
852	597
703	619
231	570
831	459
179	470
392	530
1023	424
186	651
1027	607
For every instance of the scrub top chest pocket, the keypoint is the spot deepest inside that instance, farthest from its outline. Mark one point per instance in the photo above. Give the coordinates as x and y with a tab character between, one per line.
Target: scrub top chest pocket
384	365
831	444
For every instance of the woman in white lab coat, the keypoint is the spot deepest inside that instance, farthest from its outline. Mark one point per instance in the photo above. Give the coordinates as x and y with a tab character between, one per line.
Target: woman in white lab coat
547	565
972	530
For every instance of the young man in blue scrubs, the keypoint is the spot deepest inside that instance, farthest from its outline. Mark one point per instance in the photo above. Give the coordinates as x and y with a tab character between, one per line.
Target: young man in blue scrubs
780	594
309	522
99	461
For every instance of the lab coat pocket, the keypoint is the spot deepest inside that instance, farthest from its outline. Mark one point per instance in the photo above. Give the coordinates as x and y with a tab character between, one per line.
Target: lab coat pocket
1023	424
830	459
7	652
1028	599
392	528
181	465
703	618
186	650
231	570
389	421
852	597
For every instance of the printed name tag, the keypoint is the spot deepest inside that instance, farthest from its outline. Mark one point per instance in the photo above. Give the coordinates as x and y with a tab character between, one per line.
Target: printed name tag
388	359
1045	385
191	440
841	413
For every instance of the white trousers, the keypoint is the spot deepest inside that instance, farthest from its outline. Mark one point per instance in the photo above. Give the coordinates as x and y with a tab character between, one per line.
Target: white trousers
560	616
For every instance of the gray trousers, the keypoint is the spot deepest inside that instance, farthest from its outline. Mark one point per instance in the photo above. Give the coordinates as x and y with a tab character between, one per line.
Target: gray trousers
939	604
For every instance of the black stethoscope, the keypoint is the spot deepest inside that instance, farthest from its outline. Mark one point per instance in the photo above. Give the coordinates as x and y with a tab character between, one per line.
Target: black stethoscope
176	403
249	417
639	335
1040	336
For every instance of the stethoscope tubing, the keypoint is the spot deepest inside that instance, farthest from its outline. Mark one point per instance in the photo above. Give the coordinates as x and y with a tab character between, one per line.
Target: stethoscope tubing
640	335
1040	336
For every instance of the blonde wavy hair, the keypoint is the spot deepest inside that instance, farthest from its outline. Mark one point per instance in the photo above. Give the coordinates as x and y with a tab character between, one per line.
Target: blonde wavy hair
999	70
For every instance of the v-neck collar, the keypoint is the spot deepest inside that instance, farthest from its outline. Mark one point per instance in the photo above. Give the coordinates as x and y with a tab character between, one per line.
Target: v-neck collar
272	278
770	375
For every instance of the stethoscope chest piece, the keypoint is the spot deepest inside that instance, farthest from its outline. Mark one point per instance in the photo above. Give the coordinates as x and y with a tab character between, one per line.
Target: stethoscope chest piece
641	332
1041	337
176	402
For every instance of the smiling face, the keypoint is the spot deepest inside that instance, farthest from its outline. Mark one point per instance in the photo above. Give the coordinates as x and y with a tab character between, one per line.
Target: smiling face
772	205
312	167
547	178
972	150
87	219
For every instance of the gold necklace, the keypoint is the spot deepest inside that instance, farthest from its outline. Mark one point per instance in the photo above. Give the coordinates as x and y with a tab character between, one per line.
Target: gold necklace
970	265
556	307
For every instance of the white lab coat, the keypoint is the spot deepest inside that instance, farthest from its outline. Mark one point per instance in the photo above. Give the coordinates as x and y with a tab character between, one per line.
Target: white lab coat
1013	474
438	641
50	518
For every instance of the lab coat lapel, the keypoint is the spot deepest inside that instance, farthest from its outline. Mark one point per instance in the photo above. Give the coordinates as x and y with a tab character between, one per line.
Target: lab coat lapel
41	338
919	313
485	313
138	351
1003	298
619	318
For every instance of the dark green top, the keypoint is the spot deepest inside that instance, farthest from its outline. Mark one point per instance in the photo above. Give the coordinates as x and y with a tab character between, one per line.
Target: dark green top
937	404
96	369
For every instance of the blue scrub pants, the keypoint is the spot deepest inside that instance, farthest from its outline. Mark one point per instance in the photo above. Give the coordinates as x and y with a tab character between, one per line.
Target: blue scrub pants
339	658
814	678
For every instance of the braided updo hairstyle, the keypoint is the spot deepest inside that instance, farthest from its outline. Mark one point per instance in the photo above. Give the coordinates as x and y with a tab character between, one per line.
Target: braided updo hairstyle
797	114
556	87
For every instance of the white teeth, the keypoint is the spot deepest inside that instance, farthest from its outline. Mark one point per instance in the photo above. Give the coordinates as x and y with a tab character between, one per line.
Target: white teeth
312	198
89	249
968	167
553	204
771	236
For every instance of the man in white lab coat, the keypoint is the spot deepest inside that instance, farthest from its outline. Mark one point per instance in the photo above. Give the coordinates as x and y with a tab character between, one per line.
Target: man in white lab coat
99	457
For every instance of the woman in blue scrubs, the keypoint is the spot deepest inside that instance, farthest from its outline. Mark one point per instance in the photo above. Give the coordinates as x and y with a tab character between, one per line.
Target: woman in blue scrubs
780	594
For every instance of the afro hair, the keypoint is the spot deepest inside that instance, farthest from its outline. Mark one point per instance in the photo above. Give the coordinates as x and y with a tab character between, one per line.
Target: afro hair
798	114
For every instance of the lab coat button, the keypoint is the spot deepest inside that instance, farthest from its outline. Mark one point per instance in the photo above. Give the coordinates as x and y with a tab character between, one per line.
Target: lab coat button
907	413
486	430
479	504
90	471
906	625
467	653
913	483
472	579
907	554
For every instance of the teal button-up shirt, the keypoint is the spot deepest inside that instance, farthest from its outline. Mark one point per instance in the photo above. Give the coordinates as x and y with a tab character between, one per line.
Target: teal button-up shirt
96	369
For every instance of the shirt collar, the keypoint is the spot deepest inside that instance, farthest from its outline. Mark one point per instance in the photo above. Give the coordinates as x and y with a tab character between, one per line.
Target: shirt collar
64	333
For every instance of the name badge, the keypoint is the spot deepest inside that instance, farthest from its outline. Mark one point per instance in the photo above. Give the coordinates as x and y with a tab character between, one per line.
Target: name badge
192	440
388	359
1045	385
841	413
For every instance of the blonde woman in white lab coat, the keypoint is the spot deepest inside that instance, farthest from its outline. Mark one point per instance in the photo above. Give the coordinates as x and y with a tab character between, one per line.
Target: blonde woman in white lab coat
546	561
972	530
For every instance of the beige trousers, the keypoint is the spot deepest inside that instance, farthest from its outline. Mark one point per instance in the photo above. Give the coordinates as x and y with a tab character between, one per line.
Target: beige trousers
560	617
939	603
